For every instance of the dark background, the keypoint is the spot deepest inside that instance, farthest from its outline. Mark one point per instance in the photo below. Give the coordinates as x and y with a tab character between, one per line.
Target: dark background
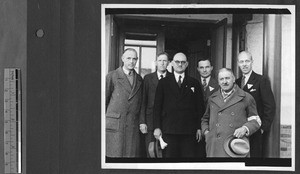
64	85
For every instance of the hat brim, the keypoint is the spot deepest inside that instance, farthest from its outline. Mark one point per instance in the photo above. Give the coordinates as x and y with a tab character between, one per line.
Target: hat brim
154	149
228	150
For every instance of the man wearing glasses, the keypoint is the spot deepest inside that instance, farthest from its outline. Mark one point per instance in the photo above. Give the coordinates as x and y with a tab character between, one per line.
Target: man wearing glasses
178	108
123	103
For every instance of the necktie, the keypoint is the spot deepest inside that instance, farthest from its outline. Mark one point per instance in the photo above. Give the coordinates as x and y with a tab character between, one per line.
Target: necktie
204	84
161	76
179	82
130	77
243	82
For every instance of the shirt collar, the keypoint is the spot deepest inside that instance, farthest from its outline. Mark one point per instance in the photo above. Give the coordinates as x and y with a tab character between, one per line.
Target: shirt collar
247	76
159	74
207	79
177	76
226	95
125	70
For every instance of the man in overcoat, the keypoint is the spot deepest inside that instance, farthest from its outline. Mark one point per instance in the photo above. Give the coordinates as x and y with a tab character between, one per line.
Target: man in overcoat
178	109
260	89
149	89
230	111
123	104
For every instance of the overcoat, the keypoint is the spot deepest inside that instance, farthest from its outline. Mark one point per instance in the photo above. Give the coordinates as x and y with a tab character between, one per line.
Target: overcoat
221	119
123	104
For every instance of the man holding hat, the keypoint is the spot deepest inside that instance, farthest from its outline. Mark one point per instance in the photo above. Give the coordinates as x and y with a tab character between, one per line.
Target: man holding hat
230	118
149	88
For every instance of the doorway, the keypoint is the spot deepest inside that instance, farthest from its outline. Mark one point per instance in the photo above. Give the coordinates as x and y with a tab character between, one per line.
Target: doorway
198	39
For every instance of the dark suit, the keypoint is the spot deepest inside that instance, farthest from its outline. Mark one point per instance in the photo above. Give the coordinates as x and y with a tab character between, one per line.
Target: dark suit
178	113
259	87
146	115
211	87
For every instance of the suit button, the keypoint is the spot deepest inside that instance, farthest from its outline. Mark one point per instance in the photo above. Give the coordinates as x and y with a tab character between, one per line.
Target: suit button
230	125
218	124
218	136
232	113
219	113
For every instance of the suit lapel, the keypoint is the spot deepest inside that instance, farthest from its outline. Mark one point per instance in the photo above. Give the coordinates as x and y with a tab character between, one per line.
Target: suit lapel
185	86
154	79
207	90
173	84
122	79
250	81
137	81
217	99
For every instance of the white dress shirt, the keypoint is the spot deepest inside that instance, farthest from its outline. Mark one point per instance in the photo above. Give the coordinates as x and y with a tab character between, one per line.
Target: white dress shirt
177	76
207	80
159	74
247	76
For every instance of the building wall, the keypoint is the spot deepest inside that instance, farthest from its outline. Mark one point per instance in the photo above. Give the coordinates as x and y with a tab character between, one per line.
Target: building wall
254	41
287	72
254	44
13	24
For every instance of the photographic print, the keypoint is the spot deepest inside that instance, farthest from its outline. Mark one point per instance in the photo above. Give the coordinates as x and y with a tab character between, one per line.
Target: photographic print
192	87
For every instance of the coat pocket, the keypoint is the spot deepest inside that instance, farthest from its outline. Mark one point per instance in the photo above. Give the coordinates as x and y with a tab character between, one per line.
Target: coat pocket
113	121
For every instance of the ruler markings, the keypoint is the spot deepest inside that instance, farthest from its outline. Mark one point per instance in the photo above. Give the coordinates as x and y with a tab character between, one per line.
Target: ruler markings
12	120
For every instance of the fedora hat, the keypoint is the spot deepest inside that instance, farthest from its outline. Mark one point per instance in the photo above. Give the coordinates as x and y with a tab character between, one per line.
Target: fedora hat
237	147
154	149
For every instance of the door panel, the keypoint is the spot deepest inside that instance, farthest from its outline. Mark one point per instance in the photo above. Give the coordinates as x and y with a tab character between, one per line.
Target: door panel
218	45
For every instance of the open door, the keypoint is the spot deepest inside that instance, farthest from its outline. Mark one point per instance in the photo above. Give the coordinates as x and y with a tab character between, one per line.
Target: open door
218	45
111	42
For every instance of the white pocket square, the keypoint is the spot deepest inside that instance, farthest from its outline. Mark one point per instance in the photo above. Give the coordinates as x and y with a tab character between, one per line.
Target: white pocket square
249	86
252	90
193	89
211	88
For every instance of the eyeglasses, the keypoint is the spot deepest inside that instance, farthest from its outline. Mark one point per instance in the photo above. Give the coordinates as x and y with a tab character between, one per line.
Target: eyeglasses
178	62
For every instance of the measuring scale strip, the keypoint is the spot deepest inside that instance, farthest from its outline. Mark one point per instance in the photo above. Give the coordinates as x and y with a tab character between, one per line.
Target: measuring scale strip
12	121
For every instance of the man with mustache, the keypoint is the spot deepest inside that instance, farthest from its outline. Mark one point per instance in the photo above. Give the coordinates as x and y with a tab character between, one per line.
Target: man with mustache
230	111
259	87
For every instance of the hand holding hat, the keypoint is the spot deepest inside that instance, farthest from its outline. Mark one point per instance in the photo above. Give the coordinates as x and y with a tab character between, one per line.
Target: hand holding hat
240	132
155	148
237	147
